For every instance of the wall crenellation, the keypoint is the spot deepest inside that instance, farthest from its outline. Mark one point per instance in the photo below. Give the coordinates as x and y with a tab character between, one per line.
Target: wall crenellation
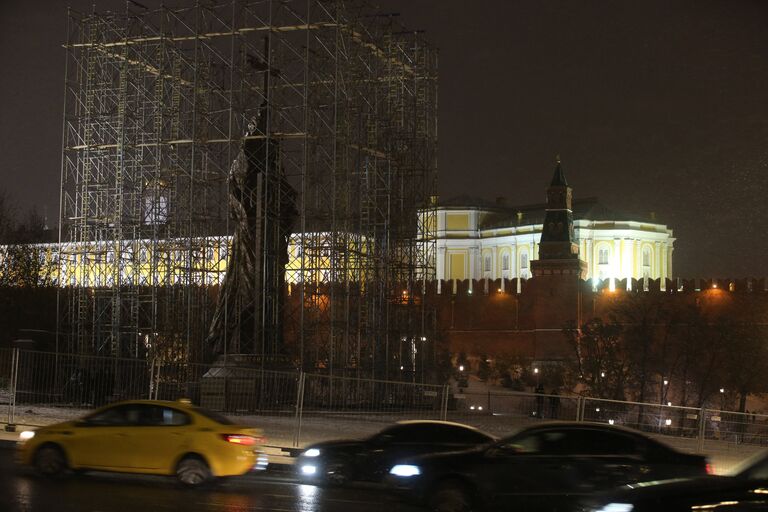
518	286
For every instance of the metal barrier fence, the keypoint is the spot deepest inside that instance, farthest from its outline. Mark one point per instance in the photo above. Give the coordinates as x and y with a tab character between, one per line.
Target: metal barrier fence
497	412
40	387
235	390
7	364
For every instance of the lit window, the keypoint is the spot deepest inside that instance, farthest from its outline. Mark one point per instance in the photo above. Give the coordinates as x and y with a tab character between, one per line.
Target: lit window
487	265
602	256
155	202
505	262
646	257
524	260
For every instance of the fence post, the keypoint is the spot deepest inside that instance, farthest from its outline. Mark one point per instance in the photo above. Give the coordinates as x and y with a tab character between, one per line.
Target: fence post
578	408
702	431
11	426
152	378
299	408
444	405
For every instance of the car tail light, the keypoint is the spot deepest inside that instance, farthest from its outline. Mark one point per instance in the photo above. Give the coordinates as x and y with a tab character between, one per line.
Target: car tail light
243	440
710	469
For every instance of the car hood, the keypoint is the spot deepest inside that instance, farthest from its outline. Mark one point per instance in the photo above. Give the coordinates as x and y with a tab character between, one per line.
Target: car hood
338	444
56	427
61	425
678	487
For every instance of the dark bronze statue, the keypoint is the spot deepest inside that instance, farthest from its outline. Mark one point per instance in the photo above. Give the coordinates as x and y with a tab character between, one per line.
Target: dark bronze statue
262	206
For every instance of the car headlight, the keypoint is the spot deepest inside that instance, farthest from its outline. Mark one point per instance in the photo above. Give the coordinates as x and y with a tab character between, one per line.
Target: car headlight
308	469
617	507
312	452
405	470
26	435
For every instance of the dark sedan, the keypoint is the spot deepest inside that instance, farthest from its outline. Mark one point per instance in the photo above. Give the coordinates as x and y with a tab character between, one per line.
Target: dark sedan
339	462
546	467
744	489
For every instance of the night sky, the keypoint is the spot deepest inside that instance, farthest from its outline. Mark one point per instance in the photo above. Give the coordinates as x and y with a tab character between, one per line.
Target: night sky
653	105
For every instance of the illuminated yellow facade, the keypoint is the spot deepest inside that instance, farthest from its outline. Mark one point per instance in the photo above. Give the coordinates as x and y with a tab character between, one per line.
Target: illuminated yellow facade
201	261
140	262
472	242
495	242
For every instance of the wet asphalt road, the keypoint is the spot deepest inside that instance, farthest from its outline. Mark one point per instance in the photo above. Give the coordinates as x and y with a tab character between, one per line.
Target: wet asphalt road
22	491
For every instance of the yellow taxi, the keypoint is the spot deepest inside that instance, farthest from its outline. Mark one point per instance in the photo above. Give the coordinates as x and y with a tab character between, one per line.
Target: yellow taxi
146	436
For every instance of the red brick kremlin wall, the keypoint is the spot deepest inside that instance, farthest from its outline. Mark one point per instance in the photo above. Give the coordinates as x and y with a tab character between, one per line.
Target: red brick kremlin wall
527	317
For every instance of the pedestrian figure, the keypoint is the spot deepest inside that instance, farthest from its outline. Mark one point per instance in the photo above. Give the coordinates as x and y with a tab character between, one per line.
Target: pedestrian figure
539	413
554	404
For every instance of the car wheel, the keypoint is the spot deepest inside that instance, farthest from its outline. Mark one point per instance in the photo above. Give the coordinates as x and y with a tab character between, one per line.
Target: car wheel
50	461
193	471
451	496
336	472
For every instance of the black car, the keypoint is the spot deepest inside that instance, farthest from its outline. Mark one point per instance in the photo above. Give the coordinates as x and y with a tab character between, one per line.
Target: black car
339	462
546	467
744	489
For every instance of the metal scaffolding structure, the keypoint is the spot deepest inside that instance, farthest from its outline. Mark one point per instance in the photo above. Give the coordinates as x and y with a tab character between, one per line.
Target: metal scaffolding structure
158	103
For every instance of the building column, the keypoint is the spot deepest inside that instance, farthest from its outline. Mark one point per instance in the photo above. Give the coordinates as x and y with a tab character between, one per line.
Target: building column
440	269
669	262
616	263
657	259
589	258
474	264
513	270
628	248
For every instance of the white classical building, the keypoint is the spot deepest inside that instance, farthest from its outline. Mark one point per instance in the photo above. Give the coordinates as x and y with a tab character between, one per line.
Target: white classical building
477	239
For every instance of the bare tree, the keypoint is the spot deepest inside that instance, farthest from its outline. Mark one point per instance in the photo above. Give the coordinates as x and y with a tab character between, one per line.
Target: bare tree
24	260
746	360
601	361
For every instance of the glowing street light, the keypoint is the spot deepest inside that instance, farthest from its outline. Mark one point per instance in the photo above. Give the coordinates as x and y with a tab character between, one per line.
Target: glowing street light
722	390
536	370
461	367
666	382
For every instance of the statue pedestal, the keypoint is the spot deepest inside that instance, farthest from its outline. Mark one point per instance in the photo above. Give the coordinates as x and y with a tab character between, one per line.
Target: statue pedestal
247	383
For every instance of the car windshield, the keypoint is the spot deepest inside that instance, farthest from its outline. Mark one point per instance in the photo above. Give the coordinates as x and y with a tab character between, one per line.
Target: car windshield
213	416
